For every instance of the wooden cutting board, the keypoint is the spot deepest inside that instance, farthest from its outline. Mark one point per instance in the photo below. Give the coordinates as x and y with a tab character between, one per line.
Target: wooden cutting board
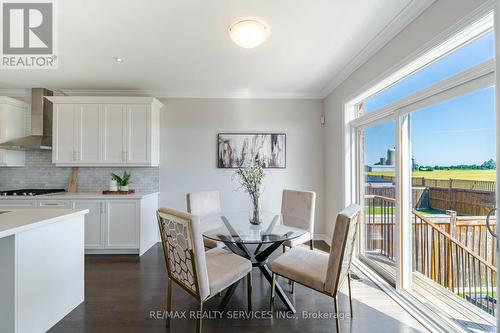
73	178
119	192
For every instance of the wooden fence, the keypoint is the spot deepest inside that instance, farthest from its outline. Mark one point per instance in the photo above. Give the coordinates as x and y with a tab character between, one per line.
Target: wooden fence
475	185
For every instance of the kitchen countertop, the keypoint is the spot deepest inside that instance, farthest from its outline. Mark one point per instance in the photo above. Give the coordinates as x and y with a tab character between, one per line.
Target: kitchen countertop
80	195
19	220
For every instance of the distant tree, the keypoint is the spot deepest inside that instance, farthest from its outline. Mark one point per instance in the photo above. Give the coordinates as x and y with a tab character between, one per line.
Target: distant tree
489	165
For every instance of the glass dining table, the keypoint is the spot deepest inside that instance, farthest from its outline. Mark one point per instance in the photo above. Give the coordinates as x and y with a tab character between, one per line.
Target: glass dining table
237	233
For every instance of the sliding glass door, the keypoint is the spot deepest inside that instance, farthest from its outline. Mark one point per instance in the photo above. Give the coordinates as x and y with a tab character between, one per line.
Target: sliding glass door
424	158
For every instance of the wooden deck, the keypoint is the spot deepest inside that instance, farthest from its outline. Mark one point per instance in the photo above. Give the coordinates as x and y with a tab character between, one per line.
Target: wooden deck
457	312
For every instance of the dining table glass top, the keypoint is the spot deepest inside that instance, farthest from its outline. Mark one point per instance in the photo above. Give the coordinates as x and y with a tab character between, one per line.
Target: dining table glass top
235	227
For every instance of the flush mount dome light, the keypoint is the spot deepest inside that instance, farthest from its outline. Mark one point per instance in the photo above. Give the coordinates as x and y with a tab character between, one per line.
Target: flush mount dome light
249	32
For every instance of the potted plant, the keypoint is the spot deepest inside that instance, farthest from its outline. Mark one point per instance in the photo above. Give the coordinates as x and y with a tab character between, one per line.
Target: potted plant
251	179
122	181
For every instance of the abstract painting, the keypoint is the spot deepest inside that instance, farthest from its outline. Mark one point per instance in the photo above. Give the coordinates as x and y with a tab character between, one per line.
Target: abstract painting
240	149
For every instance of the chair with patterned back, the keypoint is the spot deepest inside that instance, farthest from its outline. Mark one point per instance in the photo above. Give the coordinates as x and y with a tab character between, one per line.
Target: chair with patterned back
202	274
321	271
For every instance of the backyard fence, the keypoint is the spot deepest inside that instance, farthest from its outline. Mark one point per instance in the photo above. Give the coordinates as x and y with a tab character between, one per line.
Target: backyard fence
475	185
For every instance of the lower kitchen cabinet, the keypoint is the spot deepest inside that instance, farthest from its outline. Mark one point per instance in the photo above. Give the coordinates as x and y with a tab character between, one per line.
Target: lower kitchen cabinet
112	226
120	226
93	223
122	229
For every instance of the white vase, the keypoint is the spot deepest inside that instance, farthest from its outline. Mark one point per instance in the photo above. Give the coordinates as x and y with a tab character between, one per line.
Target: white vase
124	188
113	186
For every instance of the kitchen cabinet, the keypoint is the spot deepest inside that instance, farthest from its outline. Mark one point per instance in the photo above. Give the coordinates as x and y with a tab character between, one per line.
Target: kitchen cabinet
17	204
121	224
93	222
13	120
113	225
106	131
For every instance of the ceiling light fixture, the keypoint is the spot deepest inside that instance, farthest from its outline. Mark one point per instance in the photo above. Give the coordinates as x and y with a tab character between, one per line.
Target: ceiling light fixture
249	32
118	59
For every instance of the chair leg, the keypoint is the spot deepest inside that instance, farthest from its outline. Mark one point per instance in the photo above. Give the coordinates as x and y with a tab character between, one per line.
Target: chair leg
284	248
169	300
336	306
273	285
293	286
249	290
311	244
349	285
198	322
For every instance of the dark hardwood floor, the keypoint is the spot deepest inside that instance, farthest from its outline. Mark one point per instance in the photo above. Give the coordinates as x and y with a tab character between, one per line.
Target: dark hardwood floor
121	293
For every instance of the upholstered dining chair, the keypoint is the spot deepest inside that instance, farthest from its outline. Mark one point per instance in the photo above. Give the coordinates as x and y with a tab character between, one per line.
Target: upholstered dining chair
202	274
297	209
319	270
202	204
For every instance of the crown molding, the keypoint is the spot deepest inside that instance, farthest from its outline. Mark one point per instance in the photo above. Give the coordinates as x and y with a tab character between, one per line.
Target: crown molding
14	92
240	95
391	30
102	92
189	94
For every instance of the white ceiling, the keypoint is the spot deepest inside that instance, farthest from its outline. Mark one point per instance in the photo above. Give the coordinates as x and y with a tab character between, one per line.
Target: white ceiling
181	47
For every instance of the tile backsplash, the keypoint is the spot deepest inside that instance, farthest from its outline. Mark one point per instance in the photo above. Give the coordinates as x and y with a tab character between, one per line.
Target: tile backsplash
39	172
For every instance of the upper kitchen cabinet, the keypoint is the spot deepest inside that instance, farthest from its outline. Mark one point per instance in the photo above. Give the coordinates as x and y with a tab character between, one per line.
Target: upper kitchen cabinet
106	131
13	120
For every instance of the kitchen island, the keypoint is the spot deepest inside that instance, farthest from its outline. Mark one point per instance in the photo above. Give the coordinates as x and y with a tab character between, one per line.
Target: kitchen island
42	267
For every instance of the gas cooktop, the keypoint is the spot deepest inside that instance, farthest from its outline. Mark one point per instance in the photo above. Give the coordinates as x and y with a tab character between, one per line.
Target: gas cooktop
29	192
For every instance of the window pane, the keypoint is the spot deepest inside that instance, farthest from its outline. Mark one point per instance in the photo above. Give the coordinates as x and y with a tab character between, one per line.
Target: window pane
473	53
379	212
454	181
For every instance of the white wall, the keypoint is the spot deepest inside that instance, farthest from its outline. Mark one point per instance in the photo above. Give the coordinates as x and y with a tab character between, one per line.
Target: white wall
189	130
436	19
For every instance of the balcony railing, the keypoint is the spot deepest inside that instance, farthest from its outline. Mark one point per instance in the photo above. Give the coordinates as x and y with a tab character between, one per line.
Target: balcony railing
464	262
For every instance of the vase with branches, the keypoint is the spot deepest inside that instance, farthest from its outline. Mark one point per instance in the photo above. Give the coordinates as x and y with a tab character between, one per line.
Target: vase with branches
251	179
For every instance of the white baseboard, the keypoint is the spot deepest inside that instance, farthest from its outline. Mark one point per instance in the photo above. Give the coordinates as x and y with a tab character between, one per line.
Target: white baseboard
111	251
324	238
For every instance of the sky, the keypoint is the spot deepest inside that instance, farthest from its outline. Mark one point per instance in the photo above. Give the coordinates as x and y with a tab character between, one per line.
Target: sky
457	131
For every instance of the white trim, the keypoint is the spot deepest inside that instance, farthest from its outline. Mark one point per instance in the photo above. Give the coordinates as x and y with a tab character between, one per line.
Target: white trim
13	102
391	30
475	78
472	23
164	94
422	315
403	229
324	238
14	92
104	100
240	95
497	89
193	94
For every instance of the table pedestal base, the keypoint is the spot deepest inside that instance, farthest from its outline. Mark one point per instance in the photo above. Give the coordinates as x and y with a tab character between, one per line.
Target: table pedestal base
259	260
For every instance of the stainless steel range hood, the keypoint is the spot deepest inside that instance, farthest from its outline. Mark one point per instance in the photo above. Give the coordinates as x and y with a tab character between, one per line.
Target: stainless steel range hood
41	124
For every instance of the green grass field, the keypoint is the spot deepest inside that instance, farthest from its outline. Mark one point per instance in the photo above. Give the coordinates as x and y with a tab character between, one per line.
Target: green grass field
487	175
